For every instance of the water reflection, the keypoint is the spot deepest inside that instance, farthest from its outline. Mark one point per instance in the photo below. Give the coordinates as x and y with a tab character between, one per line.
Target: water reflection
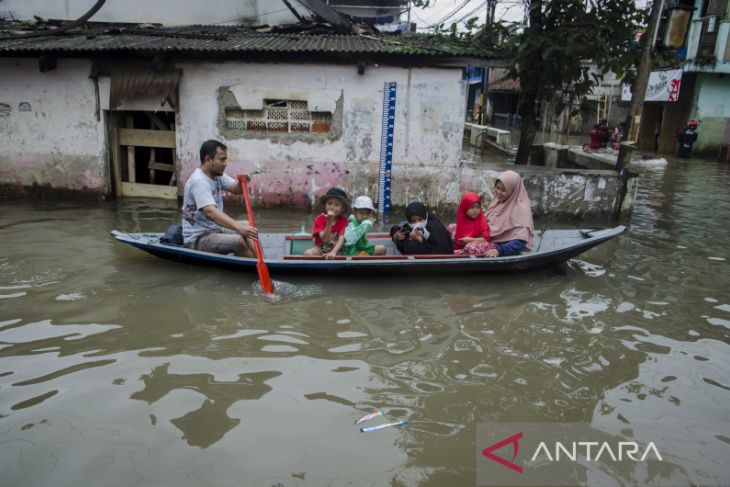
207	424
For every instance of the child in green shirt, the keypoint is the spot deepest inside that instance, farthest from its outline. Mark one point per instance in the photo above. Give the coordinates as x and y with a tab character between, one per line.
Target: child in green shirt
356	233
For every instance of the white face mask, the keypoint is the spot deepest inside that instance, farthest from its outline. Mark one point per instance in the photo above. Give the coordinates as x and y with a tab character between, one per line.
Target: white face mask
422	226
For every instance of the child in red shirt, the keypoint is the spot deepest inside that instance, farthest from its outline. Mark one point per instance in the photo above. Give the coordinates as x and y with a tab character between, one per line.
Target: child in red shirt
329	226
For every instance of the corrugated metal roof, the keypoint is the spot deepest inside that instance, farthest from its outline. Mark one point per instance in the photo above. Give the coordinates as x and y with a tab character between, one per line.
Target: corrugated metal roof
500	81
227	39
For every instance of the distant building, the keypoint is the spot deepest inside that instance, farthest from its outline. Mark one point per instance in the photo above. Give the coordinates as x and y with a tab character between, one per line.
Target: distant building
164	12
708	58
210	12
697	31
387	15
603	102
504	96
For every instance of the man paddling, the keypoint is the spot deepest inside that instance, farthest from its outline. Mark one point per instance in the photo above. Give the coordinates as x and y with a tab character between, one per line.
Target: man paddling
205	226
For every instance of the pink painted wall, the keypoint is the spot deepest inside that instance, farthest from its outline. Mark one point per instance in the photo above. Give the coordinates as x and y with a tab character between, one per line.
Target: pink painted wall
50	136
428	130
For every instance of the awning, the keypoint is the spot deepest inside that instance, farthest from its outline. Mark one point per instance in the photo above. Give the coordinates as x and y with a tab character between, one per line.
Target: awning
130	82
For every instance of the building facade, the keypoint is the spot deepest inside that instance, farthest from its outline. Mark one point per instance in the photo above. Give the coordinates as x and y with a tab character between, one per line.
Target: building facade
210	12
112	113
696	32
708	58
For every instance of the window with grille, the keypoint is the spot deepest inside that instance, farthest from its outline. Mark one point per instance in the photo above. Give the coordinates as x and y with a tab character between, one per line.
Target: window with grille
284	116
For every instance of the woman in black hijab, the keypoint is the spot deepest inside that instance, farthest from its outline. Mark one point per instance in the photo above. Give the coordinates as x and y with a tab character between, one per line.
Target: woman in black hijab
422	234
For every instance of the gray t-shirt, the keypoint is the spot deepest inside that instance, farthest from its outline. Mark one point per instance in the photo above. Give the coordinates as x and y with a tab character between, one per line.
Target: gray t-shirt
201	191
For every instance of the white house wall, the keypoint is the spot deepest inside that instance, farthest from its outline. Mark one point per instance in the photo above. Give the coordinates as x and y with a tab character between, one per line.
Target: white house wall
166	12
428	130
50	136
712	98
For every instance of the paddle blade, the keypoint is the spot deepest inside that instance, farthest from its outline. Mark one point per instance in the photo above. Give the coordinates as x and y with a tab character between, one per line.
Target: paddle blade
263	270
261	265
264	277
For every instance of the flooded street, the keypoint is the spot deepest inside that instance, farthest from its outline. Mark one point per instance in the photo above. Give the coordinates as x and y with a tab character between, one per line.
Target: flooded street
119	368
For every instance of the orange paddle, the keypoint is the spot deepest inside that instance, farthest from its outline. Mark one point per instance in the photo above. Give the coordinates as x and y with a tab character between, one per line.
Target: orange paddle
261	265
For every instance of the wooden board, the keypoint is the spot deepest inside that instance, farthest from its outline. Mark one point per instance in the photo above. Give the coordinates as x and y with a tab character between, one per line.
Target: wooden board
149	191
147	138
158	166
131	165
116	162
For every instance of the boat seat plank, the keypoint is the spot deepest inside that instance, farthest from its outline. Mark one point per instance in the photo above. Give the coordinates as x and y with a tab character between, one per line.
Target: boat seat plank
346	257
309	237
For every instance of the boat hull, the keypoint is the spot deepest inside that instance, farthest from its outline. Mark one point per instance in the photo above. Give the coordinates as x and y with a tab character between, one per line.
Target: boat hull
551	247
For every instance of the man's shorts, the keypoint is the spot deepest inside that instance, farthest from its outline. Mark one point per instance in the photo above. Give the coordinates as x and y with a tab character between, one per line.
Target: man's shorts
224	242
218	243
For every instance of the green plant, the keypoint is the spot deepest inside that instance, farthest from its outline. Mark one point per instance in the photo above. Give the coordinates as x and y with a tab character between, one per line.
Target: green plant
705	59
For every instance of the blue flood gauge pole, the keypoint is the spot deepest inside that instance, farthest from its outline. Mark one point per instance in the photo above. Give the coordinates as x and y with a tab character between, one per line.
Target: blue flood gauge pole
386	149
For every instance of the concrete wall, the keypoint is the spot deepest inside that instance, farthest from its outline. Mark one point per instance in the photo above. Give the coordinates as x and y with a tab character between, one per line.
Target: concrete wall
293	170
713	111
167	12
559	194
50	135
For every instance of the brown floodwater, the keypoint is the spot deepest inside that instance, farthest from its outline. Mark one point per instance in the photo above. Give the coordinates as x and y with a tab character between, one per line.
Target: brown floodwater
118	368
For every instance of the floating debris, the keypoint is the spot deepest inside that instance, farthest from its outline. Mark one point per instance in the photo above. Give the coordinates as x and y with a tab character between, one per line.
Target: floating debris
400	423
70	297
370	416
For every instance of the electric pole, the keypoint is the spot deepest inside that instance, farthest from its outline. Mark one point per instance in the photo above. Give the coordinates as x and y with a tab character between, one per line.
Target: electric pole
488	25
645	64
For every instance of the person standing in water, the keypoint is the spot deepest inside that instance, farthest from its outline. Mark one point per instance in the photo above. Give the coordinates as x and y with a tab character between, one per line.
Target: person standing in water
685	138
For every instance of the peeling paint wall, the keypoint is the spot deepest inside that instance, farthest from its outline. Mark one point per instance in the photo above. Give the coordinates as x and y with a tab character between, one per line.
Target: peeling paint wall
50	135
560	194
294	170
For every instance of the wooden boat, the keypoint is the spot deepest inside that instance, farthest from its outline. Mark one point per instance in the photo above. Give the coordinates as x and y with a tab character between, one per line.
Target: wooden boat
283	254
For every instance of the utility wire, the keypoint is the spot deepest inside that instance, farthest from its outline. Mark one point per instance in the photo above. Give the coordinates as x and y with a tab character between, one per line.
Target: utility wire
447	16
506	11
259	14
454	12
471	14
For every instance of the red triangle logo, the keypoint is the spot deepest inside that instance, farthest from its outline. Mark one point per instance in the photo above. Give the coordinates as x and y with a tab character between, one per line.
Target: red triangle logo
514	441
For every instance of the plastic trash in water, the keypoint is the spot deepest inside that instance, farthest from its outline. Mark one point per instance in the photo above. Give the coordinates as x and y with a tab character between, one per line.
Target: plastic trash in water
400	423
370	416
377	427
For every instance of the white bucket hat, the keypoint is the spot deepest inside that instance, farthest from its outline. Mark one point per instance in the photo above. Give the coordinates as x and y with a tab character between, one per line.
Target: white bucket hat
363	203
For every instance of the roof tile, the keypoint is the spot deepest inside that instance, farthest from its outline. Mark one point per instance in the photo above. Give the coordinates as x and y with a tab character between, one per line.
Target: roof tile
227	39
